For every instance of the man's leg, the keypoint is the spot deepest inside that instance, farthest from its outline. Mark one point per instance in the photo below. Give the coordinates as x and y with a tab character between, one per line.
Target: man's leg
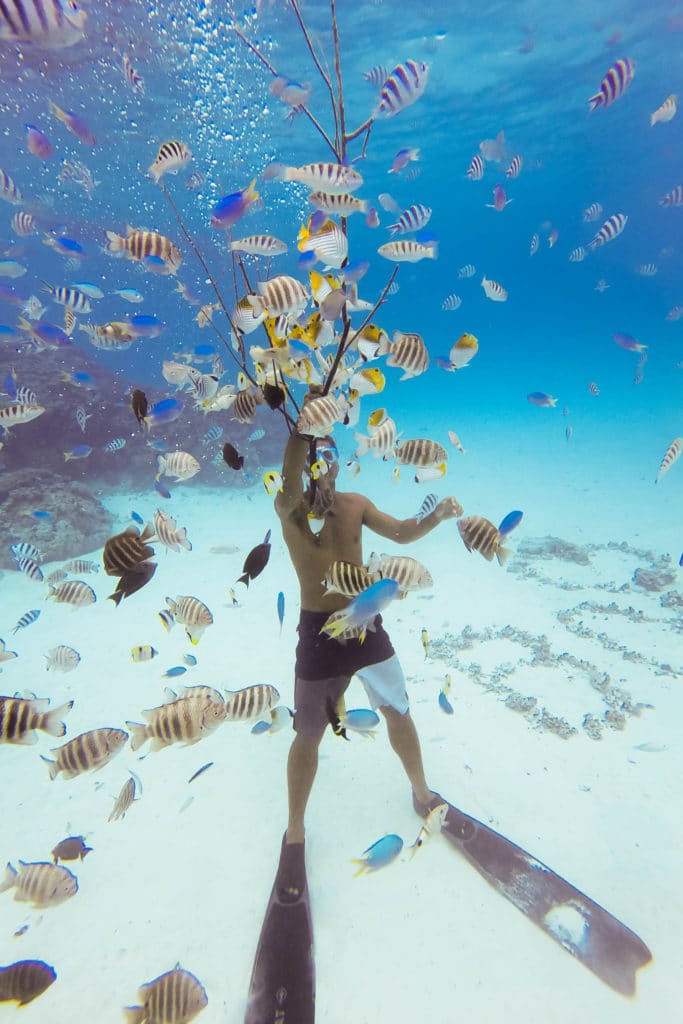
310	722
302	765
404	740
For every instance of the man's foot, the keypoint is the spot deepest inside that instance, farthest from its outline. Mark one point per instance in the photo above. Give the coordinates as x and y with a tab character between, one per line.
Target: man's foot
423	807
290	880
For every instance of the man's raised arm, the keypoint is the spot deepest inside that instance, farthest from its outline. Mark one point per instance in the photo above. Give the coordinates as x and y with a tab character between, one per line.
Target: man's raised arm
404	531
293	465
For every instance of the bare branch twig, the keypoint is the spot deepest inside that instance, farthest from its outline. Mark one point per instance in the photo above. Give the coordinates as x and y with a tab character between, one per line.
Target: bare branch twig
218	293
323	74
343	347
264	60
341	130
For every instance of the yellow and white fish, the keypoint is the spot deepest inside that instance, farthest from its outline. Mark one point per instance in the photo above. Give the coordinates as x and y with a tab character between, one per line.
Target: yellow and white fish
330	244
433	823
272	481
369	381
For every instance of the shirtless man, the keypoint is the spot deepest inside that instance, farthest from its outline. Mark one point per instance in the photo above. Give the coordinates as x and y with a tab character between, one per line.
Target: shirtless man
324	666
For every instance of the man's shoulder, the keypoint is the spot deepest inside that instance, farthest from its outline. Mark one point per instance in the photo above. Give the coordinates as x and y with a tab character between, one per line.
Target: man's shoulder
351	505
352	499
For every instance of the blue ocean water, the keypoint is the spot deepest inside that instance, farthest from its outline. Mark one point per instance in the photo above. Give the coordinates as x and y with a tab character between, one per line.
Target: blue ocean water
526	70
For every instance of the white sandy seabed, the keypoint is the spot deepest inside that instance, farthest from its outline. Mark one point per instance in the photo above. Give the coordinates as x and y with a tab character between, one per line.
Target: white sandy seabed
426	938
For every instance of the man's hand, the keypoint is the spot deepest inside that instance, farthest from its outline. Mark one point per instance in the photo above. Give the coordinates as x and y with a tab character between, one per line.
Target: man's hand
449	508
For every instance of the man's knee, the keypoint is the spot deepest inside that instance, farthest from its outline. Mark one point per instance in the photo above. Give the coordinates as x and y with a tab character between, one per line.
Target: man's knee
392	714
309	737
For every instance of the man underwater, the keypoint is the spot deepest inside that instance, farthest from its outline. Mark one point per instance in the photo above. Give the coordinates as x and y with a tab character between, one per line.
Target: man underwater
324	665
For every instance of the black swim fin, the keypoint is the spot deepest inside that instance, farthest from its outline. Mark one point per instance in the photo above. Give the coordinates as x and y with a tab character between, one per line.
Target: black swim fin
282	987
585	929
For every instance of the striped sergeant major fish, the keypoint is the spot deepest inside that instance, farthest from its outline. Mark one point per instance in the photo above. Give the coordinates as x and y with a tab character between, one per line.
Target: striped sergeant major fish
333	179
39	883
475	172
418	452
87	752
27	619
342	203
73	592
70	322
412	219
214	433
169	534
480	534
30	569
20	718
124	800
426	508
665	113
409	352
70	297
577	255
262	245
186	720
25	396
11	415
670	455
614	84
515	167
23	223
250	702
174	996
131	76
347	578
610	230
46	23
281	294
494	291
25	980
140	244
407	572
189	612
376	76
8	190
114	446
592	212
673	198
404	86
171	158
408	251
25	550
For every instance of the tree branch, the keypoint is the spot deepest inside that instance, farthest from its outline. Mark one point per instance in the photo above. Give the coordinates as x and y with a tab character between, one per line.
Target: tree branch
314	121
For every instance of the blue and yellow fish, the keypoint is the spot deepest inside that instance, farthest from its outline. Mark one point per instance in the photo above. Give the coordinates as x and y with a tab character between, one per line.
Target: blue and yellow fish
380	854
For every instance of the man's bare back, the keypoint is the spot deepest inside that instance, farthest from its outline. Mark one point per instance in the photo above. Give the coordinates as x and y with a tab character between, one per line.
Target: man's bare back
339	539
341	534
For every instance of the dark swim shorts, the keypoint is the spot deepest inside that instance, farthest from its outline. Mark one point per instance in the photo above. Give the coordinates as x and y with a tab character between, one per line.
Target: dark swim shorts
324	667
319	656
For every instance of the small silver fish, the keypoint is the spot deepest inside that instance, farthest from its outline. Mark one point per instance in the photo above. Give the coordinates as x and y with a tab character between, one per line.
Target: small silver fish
124	800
